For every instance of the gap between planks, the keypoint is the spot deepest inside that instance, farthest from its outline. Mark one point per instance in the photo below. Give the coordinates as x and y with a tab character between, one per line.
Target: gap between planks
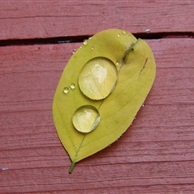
75	39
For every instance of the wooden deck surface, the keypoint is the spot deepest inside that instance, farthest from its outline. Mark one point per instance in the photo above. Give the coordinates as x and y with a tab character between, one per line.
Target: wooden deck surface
155	155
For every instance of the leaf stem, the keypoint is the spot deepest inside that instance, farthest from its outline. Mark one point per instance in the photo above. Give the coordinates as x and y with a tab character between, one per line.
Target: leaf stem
75	158
71	167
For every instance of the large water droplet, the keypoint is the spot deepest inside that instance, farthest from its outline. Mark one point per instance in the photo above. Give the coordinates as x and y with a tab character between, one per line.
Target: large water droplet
66	90
98	78
86	119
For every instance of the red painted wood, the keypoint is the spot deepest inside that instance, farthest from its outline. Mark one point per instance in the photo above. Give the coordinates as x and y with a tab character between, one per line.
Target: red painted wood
154	156
41	19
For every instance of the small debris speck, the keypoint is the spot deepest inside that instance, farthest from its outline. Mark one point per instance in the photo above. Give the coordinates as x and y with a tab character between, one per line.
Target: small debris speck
147	30
4	168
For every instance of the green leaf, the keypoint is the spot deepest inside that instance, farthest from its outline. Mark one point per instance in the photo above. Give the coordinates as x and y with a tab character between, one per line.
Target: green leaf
101	90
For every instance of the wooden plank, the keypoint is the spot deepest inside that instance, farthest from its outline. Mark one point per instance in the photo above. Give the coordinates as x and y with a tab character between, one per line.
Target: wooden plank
42	19
154	156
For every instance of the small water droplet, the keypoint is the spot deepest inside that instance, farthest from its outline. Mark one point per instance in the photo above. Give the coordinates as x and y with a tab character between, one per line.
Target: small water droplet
98	78
85	42
143	105
66	90
72	86
92	48
86	119
124	32
129	35
118	35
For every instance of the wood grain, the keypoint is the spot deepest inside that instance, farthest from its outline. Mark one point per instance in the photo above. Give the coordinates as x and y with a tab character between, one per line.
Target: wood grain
44	19
155	155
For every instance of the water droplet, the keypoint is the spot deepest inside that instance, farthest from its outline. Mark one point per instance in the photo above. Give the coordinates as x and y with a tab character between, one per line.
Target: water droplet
143	105
85	42
98	78
66	90
124	32
86	119
92	48
72	86
118	35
